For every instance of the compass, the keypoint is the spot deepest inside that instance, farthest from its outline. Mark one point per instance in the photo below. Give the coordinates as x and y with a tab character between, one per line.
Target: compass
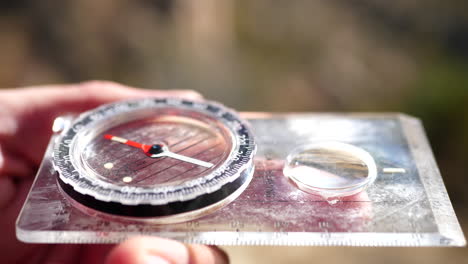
156	166
155	158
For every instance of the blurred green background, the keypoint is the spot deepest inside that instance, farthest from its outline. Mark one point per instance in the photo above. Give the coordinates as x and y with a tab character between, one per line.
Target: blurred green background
268	55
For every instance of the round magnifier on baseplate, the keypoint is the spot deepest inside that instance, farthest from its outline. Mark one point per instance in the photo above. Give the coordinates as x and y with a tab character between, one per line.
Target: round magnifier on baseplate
167	159
330	169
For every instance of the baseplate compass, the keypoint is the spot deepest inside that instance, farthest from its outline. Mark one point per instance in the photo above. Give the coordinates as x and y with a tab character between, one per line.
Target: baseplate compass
192	171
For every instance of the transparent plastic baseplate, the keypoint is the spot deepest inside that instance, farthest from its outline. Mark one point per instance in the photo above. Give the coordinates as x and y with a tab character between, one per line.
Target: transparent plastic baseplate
407	204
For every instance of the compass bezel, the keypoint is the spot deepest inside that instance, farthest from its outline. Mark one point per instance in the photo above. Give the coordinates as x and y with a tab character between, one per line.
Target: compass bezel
225	179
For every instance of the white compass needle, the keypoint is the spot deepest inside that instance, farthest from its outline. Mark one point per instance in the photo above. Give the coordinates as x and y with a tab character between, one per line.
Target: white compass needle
185	158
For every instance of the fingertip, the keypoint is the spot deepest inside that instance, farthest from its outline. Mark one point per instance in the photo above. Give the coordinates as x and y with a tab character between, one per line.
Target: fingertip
100	84
149	250
207	254
164	251
115	91
188	94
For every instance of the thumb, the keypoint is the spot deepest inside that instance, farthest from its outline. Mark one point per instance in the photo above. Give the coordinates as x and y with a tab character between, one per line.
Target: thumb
155	250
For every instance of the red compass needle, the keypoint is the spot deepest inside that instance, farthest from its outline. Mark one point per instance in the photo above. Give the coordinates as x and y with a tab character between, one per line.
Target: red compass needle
134	144
158	151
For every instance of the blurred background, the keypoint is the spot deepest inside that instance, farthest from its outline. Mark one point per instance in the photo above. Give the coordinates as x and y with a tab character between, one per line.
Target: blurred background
268	55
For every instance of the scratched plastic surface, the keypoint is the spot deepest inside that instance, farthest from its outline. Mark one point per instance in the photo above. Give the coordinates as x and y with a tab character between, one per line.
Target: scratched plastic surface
406	207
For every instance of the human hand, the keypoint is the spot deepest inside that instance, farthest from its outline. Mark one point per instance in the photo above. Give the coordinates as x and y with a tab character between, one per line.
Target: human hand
29	113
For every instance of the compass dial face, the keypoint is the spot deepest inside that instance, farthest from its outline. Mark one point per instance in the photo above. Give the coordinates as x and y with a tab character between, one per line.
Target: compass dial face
155	157
124	165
